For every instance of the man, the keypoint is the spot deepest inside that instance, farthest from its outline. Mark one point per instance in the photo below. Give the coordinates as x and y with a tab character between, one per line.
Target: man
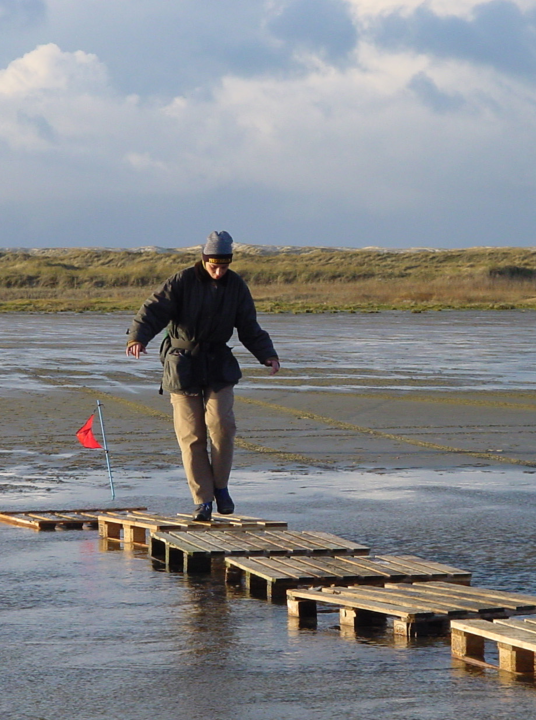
200	307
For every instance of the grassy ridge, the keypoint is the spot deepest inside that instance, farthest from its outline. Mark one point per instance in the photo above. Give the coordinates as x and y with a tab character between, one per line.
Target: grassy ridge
295	279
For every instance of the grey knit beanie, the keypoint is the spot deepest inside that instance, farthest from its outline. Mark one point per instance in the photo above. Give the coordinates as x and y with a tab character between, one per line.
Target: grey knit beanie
218	248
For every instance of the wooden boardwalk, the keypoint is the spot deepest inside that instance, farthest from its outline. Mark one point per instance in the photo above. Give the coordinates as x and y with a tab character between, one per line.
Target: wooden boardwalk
416	609
86	518
270	577
309	568
516	641
135	527
194	551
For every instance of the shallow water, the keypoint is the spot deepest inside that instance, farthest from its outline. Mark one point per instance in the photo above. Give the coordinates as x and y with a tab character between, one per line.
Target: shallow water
92	632
441	350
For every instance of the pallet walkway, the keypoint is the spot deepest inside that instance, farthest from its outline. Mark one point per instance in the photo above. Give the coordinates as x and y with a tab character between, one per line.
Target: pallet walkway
194	551
86	518
516	642
135	527
271	577
416	609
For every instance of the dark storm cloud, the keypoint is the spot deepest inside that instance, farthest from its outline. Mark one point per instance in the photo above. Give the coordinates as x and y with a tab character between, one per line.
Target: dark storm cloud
431	96
21	13
498	34
317	25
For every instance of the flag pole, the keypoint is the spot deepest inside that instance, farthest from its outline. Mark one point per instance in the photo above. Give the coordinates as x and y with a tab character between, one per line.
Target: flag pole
105	447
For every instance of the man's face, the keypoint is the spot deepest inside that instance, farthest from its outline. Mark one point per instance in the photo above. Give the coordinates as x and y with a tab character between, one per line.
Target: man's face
216	271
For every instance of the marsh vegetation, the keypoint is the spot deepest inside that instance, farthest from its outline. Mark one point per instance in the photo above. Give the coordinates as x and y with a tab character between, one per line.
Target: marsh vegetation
285	280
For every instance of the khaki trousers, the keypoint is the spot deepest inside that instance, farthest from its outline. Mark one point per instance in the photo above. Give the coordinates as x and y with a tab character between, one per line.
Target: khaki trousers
196	420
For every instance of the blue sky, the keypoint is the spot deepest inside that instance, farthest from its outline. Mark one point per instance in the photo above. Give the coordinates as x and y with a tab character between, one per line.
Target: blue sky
356	123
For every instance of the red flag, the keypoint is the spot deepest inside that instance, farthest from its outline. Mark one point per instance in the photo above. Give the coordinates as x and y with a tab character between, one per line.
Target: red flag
86	437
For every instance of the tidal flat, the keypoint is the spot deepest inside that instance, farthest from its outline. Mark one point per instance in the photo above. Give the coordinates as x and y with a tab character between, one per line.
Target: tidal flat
410	433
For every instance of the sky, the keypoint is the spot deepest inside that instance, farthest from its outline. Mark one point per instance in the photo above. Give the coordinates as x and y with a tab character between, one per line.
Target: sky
347	123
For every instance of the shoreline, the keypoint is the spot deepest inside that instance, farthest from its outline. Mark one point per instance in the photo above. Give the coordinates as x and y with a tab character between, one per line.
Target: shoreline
28	306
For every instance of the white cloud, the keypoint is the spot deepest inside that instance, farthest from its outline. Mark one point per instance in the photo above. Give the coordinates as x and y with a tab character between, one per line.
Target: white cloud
351	134
143	161
389	131
459	8
47	68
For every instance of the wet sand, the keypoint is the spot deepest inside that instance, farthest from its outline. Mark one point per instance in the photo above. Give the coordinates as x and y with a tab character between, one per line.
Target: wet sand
92	631
318	429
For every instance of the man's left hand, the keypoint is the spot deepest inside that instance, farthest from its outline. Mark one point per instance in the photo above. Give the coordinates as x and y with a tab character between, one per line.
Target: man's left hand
274	364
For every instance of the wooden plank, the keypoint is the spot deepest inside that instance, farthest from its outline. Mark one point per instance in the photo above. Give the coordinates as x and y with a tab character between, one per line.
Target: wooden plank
49	516
264	542
369	567
402	572
78	518
400	599
437	567
218	541
25	521
470	605
202	543
68	510
339	543
303	569
326	543
21	520
513	601
184	542
496	632
251	542
261	522
220	544
130	521
276	541
49	519
290	541
295	568
259	566
329	568
240	542
305	572
309	541
408	614
516	623
225	521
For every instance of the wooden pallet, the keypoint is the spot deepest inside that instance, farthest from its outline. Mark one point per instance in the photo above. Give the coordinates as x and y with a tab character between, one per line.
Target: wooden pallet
134	527
86	518
416	609
194	551
516	641
270	577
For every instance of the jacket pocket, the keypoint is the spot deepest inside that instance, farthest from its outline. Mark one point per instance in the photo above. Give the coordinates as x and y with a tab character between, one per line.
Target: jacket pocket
178	371
226	367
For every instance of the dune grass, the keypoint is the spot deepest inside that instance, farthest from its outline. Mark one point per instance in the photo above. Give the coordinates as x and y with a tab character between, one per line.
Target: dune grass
292	280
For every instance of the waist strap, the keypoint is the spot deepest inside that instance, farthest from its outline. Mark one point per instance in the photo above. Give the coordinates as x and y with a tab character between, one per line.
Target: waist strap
194	347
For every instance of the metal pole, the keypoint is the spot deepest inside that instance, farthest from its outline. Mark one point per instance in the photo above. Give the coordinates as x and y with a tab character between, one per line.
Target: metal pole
105	447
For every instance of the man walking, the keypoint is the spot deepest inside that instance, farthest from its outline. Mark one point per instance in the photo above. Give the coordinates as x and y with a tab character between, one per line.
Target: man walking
200	307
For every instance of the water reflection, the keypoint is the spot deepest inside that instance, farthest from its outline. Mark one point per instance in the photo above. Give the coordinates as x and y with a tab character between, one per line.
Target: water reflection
474	350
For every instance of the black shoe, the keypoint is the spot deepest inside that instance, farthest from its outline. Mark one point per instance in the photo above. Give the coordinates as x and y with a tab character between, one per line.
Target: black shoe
224	501
203	512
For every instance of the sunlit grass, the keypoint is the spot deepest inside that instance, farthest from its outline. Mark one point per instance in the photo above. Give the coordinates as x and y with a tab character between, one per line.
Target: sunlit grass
311	280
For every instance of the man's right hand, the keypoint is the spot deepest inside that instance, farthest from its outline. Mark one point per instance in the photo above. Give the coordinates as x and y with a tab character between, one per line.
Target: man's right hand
136	349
